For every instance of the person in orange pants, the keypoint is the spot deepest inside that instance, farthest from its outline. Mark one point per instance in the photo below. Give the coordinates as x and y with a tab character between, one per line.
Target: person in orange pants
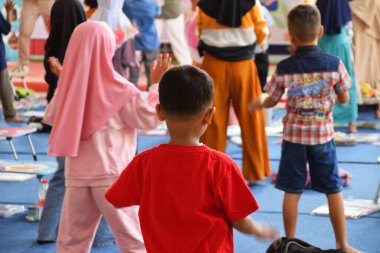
227	39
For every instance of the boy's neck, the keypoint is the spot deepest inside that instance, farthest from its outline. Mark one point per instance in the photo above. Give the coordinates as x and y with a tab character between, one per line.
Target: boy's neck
184	134
184	140
306	44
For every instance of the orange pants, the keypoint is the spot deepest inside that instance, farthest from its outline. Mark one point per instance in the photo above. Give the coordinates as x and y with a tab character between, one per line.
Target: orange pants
239	82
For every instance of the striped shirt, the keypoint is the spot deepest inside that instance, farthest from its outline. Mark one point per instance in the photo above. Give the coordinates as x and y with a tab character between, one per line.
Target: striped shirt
228	43
312	79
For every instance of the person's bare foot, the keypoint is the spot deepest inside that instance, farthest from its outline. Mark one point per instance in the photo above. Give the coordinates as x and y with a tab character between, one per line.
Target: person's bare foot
15	119
350	249
352	127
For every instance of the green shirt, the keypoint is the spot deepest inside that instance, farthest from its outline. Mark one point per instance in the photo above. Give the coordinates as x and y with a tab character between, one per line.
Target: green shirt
171	9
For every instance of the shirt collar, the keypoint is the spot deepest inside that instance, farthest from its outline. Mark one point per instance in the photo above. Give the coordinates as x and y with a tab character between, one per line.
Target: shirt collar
308	50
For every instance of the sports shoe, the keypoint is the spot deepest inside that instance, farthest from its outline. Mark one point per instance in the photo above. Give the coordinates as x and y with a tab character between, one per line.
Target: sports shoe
19	71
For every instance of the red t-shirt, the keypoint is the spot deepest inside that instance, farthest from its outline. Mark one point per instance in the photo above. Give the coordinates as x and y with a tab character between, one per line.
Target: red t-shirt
188	196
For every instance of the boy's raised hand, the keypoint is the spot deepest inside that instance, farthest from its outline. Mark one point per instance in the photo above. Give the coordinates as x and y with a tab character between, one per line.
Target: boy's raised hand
9	5
159	67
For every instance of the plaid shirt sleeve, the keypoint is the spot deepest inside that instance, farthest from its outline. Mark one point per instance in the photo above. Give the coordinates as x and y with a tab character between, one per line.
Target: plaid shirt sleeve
275	88
344	82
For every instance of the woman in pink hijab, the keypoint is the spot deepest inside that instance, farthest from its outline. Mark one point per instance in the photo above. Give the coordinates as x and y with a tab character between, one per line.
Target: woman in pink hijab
95	113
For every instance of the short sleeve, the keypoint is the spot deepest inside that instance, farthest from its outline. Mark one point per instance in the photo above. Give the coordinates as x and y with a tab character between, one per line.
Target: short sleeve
126	191
344	82
234	195
275	88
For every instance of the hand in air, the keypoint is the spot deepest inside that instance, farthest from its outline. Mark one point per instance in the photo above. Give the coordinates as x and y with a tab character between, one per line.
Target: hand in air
9	5
159	67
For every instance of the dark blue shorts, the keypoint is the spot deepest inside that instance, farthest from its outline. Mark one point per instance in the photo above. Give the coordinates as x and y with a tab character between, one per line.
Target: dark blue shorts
323	166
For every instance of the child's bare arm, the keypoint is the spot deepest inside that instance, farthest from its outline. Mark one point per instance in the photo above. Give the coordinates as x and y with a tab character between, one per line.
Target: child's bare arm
159	67
248	226
9	5
343	98
258	103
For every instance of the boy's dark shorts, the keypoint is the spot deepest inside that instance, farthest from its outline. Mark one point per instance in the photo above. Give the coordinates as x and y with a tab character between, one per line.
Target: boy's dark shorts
323	167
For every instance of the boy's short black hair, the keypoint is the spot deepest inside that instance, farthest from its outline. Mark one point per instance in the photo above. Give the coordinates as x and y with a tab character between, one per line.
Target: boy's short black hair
185	91
304	21
91	3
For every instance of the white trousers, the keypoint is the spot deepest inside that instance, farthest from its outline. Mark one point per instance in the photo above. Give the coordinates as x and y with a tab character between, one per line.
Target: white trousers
81	212
173	31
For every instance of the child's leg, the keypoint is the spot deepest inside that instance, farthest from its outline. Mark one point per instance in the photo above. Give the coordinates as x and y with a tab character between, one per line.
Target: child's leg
291	178
289	213
29	16
48	227
134	74
149	57
325	178
124	223
79	219
336	211
6	95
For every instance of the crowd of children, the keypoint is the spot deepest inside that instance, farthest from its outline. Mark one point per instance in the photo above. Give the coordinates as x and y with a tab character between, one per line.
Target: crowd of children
187	195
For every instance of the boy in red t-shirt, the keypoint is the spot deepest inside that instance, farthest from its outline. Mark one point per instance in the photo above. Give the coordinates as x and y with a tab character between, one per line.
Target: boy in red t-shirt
190	196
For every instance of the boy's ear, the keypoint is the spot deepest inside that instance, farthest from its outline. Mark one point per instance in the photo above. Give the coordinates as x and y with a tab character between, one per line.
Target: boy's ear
292	38
209	115
321	31
160	115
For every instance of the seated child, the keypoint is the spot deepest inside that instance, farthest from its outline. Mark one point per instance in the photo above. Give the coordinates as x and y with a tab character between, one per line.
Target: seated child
313	79
190	196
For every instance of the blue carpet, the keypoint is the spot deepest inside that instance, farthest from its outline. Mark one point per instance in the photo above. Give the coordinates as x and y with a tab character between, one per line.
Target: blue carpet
19	236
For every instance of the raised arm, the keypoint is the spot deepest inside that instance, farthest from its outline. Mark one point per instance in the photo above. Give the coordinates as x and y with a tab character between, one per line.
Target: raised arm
140	112
5	25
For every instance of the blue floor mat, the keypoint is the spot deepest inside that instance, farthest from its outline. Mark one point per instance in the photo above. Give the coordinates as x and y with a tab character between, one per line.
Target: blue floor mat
270	198
19	236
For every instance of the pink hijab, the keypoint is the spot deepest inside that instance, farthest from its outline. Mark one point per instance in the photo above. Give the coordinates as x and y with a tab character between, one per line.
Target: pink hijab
90	92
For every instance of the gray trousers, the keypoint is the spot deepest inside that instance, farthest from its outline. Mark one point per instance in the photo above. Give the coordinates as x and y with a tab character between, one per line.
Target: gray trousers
6	94
147	58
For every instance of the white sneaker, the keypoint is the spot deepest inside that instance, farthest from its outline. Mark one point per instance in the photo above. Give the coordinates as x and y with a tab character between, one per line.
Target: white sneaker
19	71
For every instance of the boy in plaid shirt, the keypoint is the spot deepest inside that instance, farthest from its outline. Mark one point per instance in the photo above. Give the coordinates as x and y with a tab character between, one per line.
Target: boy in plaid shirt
313	80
